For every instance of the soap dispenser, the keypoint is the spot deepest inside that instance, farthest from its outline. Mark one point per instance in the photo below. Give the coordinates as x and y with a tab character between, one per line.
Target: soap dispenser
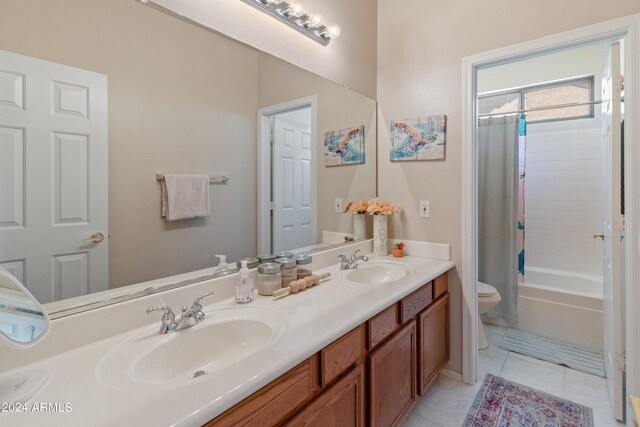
245	286
222	264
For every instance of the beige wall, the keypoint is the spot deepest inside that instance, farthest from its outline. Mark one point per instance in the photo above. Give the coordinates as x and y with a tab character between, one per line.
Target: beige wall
420	49
338	108
349	60
583	61
181	99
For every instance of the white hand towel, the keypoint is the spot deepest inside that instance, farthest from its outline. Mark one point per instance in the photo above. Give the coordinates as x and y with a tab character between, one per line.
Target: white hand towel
185	196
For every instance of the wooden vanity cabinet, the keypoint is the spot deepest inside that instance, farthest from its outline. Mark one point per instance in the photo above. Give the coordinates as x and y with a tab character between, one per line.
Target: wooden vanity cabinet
369	376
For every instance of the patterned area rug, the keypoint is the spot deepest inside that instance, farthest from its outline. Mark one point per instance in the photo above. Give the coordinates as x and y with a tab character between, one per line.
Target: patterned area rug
504	403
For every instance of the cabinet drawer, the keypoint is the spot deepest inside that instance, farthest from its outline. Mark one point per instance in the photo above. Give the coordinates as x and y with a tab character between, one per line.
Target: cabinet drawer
277	401
342	354
440	285
383	325
416	302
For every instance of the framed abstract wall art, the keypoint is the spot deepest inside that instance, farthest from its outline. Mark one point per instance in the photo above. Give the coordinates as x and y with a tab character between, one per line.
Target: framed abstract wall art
418	139
344	146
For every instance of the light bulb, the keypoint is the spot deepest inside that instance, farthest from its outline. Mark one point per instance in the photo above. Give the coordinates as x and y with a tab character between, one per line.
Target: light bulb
297	8
315	20
334	31
274	1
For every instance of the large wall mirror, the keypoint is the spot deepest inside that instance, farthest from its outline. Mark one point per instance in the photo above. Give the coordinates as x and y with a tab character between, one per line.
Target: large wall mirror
98	97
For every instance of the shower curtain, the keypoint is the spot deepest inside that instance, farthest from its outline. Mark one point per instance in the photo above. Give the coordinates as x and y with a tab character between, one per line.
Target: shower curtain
498	201
522	155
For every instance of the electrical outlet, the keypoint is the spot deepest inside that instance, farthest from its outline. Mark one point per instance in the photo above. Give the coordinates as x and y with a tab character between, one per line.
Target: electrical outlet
425	209
338	205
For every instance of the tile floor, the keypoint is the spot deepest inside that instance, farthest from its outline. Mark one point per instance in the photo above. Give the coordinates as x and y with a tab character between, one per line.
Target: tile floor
447	402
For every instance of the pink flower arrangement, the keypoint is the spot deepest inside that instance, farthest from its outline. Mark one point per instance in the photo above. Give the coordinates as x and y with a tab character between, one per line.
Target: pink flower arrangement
372	207
357	206
378	207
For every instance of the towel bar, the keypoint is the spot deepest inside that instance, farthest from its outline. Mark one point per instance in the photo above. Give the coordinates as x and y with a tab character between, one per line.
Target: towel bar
213	179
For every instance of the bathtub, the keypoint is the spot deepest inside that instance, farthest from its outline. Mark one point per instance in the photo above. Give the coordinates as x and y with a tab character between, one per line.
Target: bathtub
561	305
565	282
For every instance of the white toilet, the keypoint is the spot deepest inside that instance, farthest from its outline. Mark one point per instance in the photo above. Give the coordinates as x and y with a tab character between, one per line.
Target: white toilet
488	297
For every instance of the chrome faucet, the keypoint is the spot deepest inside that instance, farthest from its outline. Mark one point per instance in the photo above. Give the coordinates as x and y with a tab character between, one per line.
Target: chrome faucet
191	316
351	263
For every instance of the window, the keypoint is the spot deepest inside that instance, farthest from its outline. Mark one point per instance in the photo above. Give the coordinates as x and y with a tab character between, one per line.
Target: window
578	91
534	99
506	102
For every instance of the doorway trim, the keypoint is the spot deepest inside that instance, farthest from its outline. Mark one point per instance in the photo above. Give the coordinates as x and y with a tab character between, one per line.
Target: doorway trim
627	28
264	165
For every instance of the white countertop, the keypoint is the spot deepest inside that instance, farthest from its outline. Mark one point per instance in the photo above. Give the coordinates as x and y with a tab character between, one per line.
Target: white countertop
315	318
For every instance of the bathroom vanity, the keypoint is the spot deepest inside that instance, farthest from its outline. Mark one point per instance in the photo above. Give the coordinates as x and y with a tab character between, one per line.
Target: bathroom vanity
357	348
369	376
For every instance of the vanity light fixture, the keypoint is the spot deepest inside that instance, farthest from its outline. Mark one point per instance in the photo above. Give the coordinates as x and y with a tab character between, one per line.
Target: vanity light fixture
293	14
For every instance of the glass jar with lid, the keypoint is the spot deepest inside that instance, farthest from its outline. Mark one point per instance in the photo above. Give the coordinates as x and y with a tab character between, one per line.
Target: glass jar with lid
288	270
269	278
305	266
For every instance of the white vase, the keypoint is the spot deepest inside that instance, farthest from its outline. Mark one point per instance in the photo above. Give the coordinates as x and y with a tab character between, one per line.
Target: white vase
359	226
380	235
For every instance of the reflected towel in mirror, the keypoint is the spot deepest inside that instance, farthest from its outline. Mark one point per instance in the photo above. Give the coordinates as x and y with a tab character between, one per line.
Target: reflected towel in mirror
185	196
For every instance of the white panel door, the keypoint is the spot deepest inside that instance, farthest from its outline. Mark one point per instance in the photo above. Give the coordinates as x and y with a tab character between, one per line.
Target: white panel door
292	198
53	177
613	224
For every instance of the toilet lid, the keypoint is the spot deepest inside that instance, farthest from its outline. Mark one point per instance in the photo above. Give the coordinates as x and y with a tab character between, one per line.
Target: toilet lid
485	290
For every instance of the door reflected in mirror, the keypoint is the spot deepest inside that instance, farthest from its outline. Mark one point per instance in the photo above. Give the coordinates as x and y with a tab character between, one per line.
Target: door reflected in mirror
292	169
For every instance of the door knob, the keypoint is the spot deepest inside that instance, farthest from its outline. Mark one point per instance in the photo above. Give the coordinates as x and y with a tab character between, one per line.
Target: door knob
95	238
598	236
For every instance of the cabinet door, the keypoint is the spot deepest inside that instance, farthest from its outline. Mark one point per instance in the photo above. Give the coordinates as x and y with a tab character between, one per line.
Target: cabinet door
392	378
341	405
433	341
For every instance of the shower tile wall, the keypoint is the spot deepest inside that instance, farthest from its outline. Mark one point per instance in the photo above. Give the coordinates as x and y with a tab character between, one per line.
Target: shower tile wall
563	199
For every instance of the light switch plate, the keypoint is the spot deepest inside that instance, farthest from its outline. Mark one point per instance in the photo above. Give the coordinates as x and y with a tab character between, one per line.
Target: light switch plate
425	209
338	205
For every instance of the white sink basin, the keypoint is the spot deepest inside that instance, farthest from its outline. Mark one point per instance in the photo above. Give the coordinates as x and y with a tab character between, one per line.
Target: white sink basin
377	272
223	339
